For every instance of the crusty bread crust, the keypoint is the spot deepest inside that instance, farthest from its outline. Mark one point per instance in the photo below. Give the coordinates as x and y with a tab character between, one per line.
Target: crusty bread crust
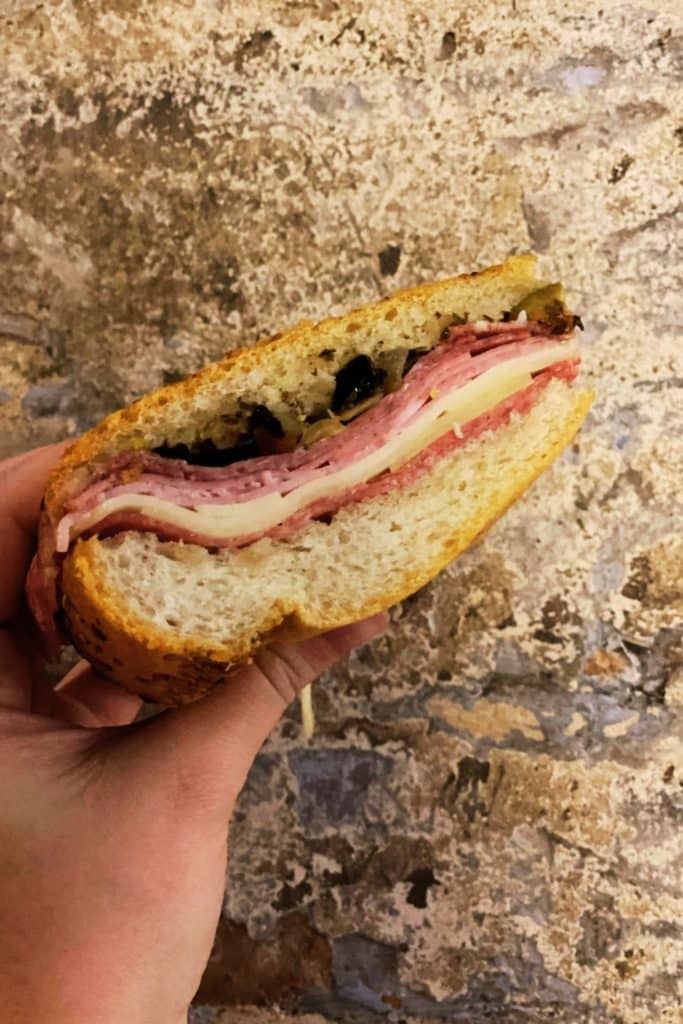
170	668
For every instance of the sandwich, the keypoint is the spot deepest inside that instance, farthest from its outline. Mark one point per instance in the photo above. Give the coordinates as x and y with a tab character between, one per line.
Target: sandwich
305	482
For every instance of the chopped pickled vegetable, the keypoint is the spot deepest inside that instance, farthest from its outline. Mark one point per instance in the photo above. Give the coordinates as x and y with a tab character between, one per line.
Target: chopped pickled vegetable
546	305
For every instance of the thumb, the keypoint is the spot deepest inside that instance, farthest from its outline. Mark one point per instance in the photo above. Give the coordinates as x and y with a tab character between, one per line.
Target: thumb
210	745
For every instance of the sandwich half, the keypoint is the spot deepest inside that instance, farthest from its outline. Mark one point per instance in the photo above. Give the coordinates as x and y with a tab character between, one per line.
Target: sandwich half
305	482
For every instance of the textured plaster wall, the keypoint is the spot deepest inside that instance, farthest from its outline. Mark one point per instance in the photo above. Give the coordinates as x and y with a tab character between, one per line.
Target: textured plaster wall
487	823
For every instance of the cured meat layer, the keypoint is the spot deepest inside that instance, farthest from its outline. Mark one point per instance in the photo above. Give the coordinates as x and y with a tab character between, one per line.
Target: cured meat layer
468	353
520	403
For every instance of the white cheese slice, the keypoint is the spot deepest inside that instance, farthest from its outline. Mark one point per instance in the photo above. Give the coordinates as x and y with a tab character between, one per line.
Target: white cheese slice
444	413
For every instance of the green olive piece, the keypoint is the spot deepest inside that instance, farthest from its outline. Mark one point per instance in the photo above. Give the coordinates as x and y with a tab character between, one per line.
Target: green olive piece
537	304
546	305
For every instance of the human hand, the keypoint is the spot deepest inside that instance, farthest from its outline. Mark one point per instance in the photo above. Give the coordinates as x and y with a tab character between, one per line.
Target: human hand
113	834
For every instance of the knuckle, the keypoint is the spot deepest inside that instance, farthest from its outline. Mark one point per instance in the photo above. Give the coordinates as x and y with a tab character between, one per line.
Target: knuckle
283	671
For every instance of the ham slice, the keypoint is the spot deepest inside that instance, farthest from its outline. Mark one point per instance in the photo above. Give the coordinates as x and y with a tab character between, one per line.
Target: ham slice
520	403
447	367
467	352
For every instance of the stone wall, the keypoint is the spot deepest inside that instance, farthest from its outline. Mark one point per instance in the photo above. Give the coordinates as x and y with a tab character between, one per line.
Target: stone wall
487	824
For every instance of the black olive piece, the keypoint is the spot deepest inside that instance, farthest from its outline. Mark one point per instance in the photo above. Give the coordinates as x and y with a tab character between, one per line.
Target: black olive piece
414	354
357	380
205	453
263	419
578	322
173	451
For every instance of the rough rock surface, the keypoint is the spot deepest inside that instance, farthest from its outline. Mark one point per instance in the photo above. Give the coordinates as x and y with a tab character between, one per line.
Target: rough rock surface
487	825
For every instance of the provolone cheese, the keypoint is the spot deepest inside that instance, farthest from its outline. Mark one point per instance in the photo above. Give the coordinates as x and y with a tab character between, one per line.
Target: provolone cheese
442	414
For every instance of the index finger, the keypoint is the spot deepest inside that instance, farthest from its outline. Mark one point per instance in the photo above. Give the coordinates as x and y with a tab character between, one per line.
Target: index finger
22	482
